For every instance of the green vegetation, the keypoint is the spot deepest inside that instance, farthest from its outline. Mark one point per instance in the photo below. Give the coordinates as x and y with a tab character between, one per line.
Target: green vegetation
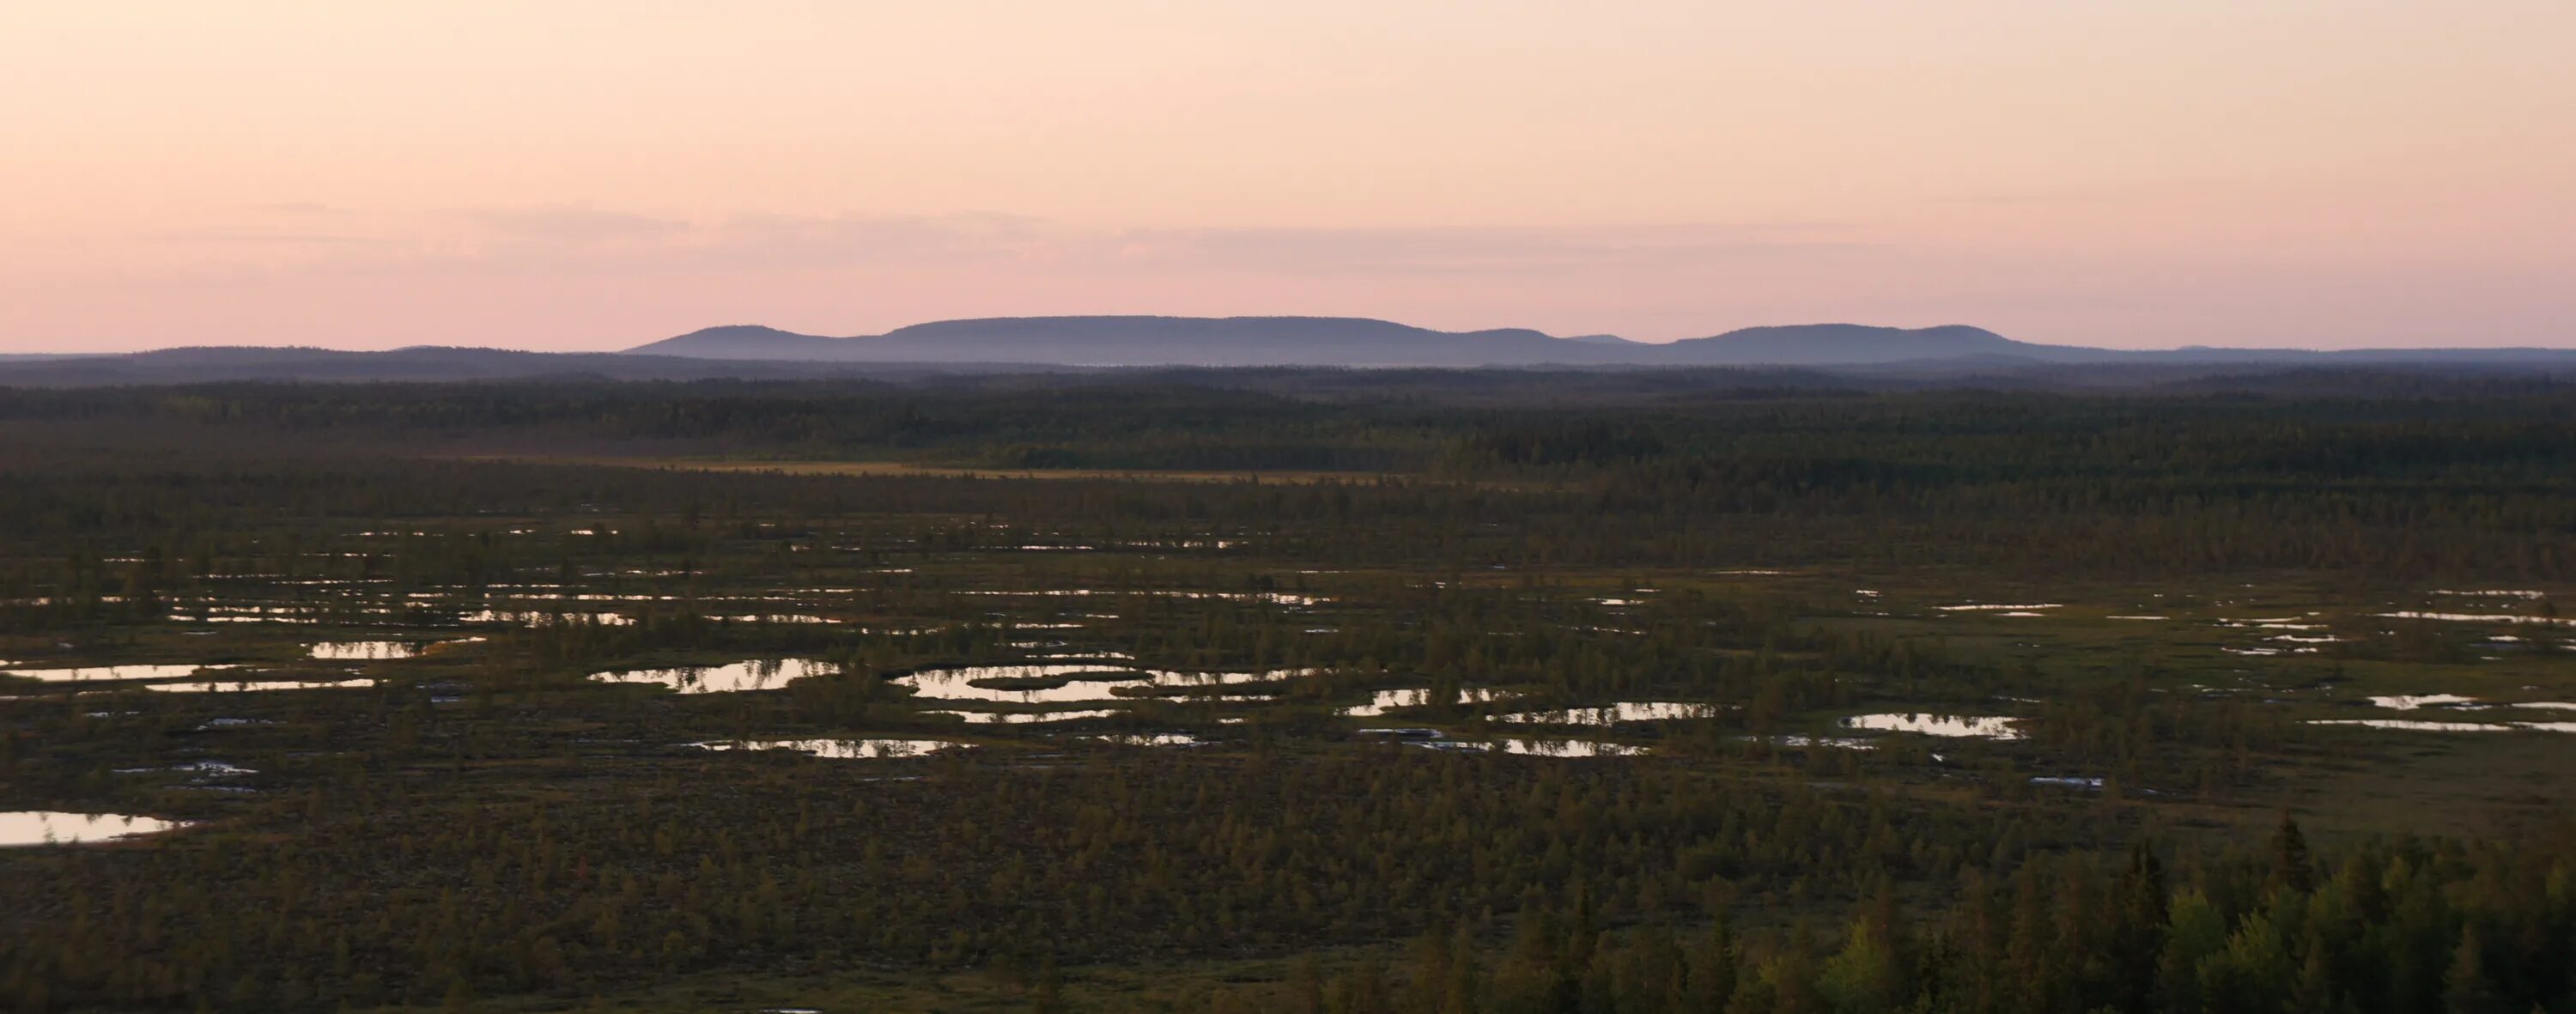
2144	665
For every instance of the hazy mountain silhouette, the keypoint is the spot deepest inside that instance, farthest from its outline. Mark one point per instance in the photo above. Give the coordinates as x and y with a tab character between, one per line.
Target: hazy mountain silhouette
1859	344
1849	353
1341	341
1363	342
1143	341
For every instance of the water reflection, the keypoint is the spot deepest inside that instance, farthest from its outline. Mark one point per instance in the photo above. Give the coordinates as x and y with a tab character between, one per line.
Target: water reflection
2481	618
530	618
218	686
1275	598
845	749
221	613
2410	702
1576	748
47	827
1386	700
1077	683
1414	732
1955	726
1570	748
2414	725
1836	742
1074	683
1148	739
760	674
366	651
82	674
1028	717
203	769
1611	714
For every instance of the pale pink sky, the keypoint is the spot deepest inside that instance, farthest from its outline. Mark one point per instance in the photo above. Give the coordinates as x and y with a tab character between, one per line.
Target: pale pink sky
592	174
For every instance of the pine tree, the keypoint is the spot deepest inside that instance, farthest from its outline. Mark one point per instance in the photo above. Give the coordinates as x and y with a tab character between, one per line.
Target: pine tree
1860	978
2466	988
2138	936
2315	992
1712	976
2293	868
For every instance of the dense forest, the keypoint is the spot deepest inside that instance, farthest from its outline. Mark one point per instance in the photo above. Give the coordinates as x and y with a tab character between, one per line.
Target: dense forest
1294	691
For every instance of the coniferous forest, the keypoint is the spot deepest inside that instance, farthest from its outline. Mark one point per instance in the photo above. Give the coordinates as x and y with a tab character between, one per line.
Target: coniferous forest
1389	692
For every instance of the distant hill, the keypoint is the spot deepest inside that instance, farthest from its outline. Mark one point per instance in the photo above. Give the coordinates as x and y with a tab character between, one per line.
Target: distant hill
1849	353
1858	344
1342	341
747	342
1147	341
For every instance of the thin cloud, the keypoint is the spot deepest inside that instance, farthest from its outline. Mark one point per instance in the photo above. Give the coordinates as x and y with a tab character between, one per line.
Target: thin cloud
257	237
573	223
599	240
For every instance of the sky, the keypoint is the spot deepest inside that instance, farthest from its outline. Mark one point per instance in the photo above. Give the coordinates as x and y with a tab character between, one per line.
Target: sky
584	174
